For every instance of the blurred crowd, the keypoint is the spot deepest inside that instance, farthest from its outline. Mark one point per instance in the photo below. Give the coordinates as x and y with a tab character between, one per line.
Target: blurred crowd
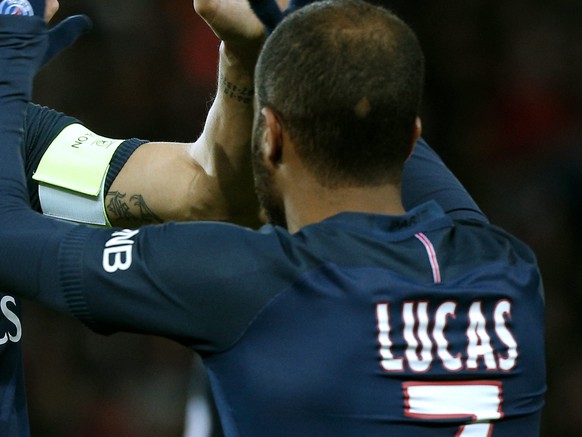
503	106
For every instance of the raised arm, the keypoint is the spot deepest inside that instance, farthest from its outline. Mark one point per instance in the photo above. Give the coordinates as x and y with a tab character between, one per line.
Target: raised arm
31	244
209	179
40	256
426	177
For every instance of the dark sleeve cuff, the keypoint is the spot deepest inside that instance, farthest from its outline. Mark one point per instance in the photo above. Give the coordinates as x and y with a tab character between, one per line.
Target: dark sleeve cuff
120	157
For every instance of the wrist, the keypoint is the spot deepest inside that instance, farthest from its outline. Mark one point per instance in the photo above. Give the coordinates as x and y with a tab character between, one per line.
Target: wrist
239	60
236	78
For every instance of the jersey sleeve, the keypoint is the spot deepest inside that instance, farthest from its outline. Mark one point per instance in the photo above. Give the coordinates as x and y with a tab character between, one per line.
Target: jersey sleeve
162	280
166	280
426	177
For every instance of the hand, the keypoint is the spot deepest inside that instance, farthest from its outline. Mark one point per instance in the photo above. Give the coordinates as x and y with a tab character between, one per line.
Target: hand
65	33
234	22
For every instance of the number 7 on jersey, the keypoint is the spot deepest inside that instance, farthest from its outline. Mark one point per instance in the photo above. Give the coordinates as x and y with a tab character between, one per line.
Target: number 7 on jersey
479	401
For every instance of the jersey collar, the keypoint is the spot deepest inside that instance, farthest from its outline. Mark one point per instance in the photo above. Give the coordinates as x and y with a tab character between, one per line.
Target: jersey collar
423	218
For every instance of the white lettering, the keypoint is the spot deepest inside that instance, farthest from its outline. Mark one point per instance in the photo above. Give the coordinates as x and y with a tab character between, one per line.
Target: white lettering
117	258
479	340
450	362
121	238
417	363
504	308
13	318
413	348
117	254
388	362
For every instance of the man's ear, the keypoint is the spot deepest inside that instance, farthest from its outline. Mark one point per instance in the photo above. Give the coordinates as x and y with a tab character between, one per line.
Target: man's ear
273	137
416	133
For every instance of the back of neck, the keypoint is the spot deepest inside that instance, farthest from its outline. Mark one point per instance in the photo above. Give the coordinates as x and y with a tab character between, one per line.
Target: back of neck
317	203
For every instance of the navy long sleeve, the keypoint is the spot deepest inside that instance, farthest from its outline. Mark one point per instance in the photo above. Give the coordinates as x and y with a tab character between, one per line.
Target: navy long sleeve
21	41
23	233
426	177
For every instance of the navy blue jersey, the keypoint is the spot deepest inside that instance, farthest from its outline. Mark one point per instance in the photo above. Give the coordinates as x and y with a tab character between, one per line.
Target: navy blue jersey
359	325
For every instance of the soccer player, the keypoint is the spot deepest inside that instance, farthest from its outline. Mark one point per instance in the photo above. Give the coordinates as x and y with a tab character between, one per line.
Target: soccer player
186	181
354	318
173	189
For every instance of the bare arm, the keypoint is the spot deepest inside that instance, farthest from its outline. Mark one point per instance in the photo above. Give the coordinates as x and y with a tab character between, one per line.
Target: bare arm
209	179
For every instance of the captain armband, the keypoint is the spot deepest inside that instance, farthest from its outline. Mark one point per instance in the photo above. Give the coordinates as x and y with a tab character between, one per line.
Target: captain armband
72	173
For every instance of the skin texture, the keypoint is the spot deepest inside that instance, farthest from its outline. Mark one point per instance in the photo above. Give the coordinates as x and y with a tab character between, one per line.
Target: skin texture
209	179
291	195
51	8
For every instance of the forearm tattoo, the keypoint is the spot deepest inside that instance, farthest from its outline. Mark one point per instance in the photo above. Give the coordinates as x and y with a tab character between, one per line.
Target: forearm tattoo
240	94
121	209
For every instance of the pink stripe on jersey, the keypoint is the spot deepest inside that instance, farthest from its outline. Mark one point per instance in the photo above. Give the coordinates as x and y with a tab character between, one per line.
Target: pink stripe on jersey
436	272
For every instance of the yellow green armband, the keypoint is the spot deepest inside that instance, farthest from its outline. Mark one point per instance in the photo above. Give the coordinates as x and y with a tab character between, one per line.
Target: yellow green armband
71	175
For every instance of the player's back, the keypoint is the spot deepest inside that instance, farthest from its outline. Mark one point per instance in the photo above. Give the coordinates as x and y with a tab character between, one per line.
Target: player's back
391	326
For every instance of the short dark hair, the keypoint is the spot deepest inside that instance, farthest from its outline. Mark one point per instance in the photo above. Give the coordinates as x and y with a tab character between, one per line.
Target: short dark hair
346	79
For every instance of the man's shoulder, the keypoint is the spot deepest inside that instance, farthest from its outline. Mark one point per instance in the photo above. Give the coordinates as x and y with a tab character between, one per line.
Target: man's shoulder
497	240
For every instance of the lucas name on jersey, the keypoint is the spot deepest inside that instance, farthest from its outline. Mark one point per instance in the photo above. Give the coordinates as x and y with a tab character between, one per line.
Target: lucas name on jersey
10	326
425	336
